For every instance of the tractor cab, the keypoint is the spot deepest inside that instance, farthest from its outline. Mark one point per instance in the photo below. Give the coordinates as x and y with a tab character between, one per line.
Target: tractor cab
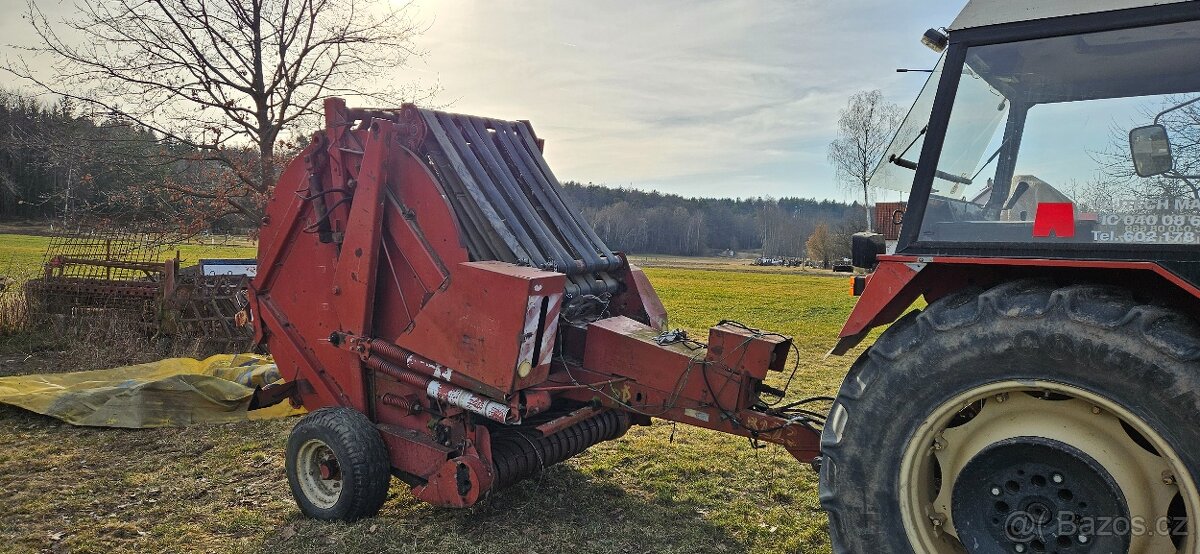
1056	134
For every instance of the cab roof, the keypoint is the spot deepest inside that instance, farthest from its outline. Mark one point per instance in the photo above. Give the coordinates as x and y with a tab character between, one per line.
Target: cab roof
981	13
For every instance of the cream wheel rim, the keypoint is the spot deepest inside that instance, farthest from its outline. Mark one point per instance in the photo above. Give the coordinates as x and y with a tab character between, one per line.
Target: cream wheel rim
1159	494
318	473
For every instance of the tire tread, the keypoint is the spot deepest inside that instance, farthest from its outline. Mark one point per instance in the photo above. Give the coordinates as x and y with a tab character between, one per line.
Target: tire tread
1098	309
366	461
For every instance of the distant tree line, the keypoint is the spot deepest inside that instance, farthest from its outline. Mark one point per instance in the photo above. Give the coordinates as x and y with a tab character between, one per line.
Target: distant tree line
641	222
55	163
59	162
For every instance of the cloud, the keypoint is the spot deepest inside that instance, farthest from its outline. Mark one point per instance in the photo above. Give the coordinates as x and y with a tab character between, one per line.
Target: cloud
713	98
726	98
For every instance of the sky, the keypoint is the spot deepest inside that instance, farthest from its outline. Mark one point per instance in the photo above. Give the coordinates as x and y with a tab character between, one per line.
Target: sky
728	98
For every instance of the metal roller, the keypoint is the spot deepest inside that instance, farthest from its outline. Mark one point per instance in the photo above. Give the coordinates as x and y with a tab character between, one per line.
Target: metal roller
521	454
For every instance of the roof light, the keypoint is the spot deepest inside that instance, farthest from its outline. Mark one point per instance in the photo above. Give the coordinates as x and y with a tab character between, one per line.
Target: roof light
935	40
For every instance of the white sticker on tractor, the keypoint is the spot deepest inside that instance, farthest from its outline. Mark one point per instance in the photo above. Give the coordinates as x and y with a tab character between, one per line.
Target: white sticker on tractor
696	414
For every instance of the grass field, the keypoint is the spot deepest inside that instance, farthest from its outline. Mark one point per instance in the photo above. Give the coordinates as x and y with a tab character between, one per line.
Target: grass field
726	264
21	255
662	489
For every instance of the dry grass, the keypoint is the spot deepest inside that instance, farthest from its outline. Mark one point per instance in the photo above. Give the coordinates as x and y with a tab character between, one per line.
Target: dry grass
14	311
661	489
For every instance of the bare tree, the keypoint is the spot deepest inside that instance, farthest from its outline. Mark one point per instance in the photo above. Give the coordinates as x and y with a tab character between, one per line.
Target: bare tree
770	219
1116	177
1099	194
841	234
865	126
821	245
223	83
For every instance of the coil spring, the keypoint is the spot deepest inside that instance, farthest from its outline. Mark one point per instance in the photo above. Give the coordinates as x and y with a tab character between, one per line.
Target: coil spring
519	455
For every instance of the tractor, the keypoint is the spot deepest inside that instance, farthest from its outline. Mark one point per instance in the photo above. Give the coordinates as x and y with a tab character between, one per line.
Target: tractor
449	321
1046	398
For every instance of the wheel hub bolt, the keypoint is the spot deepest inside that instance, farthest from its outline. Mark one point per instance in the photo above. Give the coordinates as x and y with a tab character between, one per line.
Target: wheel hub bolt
1019	548
1057	478
995	491
1083	539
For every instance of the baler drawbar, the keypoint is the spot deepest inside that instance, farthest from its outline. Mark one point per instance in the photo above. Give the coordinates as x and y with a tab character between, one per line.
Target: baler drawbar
449	320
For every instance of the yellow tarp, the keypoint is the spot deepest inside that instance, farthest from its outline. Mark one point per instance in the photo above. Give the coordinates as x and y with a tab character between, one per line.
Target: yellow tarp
167	393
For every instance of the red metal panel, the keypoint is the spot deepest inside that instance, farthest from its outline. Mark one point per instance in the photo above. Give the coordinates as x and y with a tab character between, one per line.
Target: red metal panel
420	244
283	219
625	347
358	264
420	213
624	368
638	300
458	483
480	323
620	346
297	362
743	351
889	291
412	452
898	282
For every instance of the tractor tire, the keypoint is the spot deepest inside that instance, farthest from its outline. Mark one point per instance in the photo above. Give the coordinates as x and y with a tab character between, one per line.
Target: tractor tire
337	465
1021	418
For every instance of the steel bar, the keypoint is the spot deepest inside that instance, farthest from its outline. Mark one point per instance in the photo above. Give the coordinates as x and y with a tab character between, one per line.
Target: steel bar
509	182
515	237
541	189
502	198
490	244
614	261
446	392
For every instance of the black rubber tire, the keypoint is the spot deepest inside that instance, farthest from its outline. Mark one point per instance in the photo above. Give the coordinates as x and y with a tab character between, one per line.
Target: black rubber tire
1098	338
362	459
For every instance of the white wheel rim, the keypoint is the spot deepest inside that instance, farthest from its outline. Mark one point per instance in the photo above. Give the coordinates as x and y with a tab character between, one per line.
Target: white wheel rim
1086	421
310	458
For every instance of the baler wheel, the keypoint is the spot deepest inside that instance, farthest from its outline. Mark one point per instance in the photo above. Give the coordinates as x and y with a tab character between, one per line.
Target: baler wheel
1026	418
337	465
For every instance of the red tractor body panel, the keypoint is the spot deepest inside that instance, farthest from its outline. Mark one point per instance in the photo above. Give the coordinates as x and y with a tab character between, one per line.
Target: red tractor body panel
900	280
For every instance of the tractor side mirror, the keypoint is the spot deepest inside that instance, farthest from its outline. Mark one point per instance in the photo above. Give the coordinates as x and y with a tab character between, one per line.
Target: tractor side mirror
1151	149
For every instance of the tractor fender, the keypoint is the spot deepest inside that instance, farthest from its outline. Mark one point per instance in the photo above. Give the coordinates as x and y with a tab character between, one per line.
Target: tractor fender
890	289
898	281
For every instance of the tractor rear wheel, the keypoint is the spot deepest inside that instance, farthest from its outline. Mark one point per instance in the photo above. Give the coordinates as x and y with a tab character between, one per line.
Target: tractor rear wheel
1026	418
337	465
